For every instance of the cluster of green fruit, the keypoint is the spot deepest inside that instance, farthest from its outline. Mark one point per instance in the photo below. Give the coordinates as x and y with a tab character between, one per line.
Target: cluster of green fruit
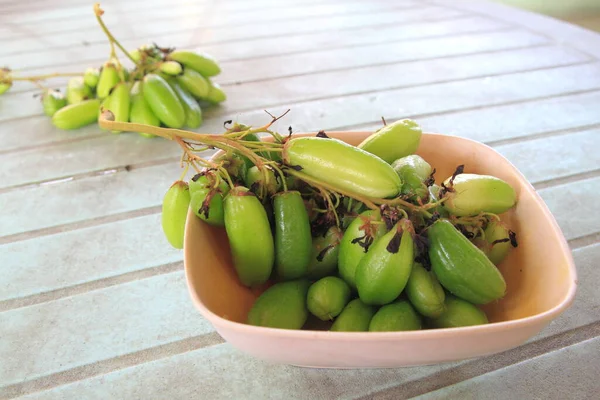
165	87
360	236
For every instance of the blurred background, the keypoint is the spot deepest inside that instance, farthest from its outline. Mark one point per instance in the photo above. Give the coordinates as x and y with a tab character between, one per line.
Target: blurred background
585	13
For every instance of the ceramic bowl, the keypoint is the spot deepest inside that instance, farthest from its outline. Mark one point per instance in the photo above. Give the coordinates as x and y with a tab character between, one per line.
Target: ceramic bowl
540	276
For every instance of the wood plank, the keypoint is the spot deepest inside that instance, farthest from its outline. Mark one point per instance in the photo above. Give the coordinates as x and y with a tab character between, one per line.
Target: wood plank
152	32
198	366
107	152
267	68
289	90
368	79
516	120
72	258
573	206
562	373
85	198
48	61
74	331
363	109
559	156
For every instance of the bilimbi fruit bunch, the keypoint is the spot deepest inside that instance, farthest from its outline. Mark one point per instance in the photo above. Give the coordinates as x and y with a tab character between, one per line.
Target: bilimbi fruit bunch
358	236
165	87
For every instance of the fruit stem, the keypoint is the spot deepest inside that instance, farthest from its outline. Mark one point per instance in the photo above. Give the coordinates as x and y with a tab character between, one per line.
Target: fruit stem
113	41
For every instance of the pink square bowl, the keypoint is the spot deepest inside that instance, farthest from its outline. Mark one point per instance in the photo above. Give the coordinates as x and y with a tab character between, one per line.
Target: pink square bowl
540	275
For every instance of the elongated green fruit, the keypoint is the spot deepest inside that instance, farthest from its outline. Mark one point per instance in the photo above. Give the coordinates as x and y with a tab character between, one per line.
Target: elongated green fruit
202	63
461	267
473	194
163	101
356	242
52	101
425	292
250	237
355	317
325	251
77	91
496	244
91	77
194	83
77	115
293	241
193	112
413	171
120	103
171	68
327	297
207	199
174	212
416	163
216	94
255	180
282	306
140	112
347	167
109	77
397	316
5	86
458	313
382	273
394	141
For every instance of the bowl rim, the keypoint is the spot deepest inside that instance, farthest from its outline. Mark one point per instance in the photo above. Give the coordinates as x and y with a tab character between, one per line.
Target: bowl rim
541	318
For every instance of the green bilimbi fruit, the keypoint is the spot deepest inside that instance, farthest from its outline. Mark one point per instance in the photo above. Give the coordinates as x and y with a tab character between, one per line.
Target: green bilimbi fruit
163	101
250	238
5	86
325	250
172	68
193	112
77	115
108	79
282	306
327	297
52	101
394	141
496	244
207	197
293	241
356	242
77	91
215	93
458	313
413	170
355	317
91	77
202	63
425	292
174	213
382	273
461	267
472	194
140	112
342	165
119	103
236	167
257	182
397	316
194	83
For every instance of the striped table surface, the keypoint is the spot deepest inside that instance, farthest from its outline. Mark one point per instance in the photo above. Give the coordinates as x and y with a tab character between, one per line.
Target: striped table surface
93	302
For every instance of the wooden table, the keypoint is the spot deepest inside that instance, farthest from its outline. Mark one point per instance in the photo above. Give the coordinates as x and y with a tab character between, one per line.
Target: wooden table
93	303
